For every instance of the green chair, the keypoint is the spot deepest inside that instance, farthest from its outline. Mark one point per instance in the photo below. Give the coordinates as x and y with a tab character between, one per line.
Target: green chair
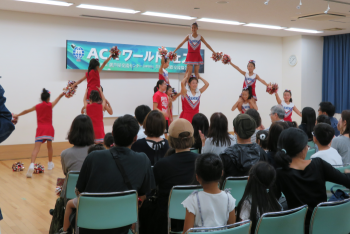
177	195
236	228
107	210
286	222
237	186
311	144
72	179
329	185
310	152
196	151
331	217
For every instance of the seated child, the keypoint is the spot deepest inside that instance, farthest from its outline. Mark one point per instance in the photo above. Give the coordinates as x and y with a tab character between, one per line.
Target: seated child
108	141
261	139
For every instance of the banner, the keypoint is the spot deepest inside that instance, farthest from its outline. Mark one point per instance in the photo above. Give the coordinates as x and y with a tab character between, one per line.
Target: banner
133	58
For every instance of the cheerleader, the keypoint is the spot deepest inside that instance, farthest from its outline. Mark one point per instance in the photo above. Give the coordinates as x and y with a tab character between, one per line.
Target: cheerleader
94	109
190	96
161	102
171	98
194	47
247	103
288	105
45	131
163	73
107	108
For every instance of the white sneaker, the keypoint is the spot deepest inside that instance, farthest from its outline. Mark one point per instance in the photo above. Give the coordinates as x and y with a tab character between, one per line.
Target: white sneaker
50	166
30	170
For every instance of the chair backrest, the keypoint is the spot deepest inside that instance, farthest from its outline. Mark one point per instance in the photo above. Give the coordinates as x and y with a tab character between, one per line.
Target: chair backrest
286	222
237	186
310	152
311	144
196	151
341	168
72	179
107	210
236	228
331	217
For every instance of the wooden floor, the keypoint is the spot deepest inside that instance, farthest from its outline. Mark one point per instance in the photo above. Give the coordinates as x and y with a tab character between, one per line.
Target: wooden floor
25	202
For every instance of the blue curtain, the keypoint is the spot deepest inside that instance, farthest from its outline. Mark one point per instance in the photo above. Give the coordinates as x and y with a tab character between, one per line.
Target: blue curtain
336	71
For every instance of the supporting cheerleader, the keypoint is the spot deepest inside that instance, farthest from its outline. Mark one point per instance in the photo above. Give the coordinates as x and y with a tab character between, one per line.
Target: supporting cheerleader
288	105
247	103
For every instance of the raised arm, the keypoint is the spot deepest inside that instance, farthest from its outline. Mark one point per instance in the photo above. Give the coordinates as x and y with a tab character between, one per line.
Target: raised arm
54	103
161	66
278	99
238	69
182	43
206	85
104	63
295	109
79	81
85	98
25	112
108	108
183	85
261	80
103	98
207	45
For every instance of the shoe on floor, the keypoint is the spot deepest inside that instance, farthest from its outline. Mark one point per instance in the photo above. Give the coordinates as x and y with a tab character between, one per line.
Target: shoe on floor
30	170
50	166
61	231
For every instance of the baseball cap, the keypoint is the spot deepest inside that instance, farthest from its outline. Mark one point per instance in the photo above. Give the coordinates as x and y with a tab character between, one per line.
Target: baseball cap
180	126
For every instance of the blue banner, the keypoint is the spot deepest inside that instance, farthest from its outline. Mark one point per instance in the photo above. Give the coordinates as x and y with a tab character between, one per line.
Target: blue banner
134	58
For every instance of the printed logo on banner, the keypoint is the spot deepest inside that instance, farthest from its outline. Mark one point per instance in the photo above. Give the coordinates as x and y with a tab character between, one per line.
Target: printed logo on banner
78	53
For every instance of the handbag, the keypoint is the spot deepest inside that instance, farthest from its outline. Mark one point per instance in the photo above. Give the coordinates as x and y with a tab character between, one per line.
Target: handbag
338	195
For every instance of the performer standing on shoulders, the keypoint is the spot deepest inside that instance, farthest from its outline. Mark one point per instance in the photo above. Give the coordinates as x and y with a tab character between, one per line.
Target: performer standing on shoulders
288	105
163	73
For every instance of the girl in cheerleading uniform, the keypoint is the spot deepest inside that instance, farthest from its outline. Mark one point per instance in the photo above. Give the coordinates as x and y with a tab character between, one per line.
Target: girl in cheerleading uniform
163	73
94	109
171	98
45	131
288	105
161	102
248	101
107	108
190	96
194	47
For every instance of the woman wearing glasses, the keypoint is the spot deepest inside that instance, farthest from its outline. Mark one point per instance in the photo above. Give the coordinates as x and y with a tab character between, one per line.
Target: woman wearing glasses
288	105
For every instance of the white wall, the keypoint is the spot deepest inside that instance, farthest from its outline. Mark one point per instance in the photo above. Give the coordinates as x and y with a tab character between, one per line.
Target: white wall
33	57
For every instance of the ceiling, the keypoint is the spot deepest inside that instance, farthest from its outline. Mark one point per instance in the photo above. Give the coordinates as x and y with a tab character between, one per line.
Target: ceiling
278	12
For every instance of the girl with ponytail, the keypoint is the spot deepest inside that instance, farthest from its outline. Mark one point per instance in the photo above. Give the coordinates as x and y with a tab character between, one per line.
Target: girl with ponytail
303	181
288	105
160	101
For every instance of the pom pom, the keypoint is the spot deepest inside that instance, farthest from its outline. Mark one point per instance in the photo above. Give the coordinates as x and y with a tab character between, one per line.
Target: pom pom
38	168
172	56
272	88
58	190
14	120
115	52
173	93
217	56
60	182
69	91
226	59
18	166
163	51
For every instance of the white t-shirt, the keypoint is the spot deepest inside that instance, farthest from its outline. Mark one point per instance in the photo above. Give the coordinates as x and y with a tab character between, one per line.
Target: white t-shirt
215	208
141	134
331	156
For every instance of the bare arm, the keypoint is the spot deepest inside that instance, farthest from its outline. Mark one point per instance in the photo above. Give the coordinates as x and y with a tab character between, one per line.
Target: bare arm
82	110
235	106
108	108
182	43
161	65
207	45
261	80
238	69
206	85
57	100
25	112
295	109
183	85
232	217
176	96
103	98
189	221
79	81
104	63
252	104
85	97
278	99
155	107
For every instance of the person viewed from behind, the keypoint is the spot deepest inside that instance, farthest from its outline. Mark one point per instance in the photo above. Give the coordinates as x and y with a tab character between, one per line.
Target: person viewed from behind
6	125
328	109
342	142
140	113
272	140
256	116
108	141
200	123
323	119
308	121
261	139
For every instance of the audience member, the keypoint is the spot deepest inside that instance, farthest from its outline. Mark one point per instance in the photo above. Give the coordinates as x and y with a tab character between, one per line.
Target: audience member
292	124
272	140
210	207
256	116
303	181
81	136
308	121
342	142
277	114
108	141
200	123
261	139
6	126
140	113
323	119
239	158
257	198
323	135
218	137
176	169
153	145
327	108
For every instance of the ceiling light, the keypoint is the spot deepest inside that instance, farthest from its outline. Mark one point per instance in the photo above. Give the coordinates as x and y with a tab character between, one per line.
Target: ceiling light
184	17
218	21
104	8
222	2
267	2
303	30
264	26
56	3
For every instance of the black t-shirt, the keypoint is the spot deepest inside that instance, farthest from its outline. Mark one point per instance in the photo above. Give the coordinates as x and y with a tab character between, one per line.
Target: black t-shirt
154	152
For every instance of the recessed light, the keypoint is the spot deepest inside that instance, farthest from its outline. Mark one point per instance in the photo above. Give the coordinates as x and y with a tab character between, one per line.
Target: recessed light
263	26
56	3
303	30
158	14
222	2
104	8
196	8
219	21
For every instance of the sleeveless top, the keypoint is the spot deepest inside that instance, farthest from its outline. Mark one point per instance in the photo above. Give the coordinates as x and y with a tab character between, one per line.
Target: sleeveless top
245	107
194	43
93	81
164	76
250	81
190	104
288	109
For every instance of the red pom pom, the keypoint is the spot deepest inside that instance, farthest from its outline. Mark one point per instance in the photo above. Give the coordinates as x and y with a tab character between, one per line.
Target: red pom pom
18	166
226	59
38	168
172	56
217	56
69	91
272	88
115	52
163	51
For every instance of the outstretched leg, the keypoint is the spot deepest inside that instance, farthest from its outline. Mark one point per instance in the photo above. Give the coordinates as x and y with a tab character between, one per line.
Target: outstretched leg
34	155
50	153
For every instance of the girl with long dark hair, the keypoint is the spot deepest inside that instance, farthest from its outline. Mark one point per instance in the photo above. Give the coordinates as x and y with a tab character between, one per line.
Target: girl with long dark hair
308	121
200	123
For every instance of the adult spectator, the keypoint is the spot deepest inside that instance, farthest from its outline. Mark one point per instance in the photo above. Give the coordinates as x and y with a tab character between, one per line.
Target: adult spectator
277	114
256	116
239	158
218	137
6	126
308	121
303	181
342	142
200	123
323	136
154	146
100	173
327	108
140	113
81	136
323	119
176	169
272	140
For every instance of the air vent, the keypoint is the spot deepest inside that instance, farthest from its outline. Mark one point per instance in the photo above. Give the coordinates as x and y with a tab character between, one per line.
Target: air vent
323	16
334	29
134	21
